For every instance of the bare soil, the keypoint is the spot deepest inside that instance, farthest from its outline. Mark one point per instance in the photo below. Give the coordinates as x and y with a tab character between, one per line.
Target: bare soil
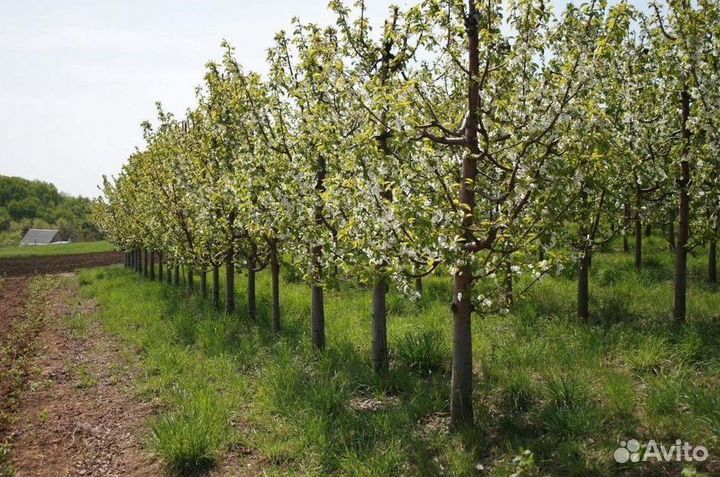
27	266
78	414
74	408
13	294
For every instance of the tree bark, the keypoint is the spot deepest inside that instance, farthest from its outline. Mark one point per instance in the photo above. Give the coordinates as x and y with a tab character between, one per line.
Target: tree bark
216	287
583	301
190	280
203	283
461	409
251	304
712	262
176	276
379	325
419	285
229	283
275	274
683	183
508	284
627	214
638	242
318	318
461	406
648	230
160	266
145	263
152	265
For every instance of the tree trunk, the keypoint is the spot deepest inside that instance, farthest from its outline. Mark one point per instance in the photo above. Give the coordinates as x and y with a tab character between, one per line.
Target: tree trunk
160	266
583	301
638	243
508	285
461	406
275	273
203	283
145	263
683	183
461	409
152	265
216	287
712	262
379	324
627	216
176	276
419	285
648	230
251	304
190	280
229	283
318	318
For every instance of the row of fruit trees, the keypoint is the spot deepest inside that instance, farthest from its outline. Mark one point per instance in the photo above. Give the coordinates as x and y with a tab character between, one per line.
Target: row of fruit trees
486	139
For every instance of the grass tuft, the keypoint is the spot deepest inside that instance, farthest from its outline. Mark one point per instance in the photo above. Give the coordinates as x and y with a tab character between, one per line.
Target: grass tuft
424	352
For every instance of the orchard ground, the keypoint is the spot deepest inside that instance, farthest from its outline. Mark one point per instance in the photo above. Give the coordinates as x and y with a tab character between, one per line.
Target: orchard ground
191	390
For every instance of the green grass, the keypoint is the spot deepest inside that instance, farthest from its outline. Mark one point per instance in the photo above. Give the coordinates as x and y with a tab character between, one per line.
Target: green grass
553	395
61	249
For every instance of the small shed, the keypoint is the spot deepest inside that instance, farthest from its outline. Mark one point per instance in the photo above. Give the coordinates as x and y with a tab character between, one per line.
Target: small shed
41	237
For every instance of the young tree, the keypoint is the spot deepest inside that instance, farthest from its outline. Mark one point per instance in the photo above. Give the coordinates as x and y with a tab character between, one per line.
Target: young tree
385	199
510	134
684	37
304	70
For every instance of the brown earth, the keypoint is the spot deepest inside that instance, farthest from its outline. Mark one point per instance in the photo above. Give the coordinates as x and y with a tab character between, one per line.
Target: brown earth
13	294
75	410
26	266
15	341
78	414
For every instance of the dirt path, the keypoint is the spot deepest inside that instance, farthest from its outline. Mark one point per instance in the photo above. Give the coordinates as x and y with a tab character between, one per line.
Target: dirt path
13	294
78	414
26	266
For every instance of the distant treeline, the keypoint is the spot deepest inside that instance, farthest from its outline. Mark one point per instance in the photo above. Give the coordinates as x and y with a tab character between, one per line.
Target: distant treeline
26	204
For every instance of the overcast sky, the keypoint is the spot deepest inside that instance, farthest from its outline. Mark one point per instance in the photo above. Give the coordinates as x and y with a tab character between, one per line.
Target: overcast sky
78	77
